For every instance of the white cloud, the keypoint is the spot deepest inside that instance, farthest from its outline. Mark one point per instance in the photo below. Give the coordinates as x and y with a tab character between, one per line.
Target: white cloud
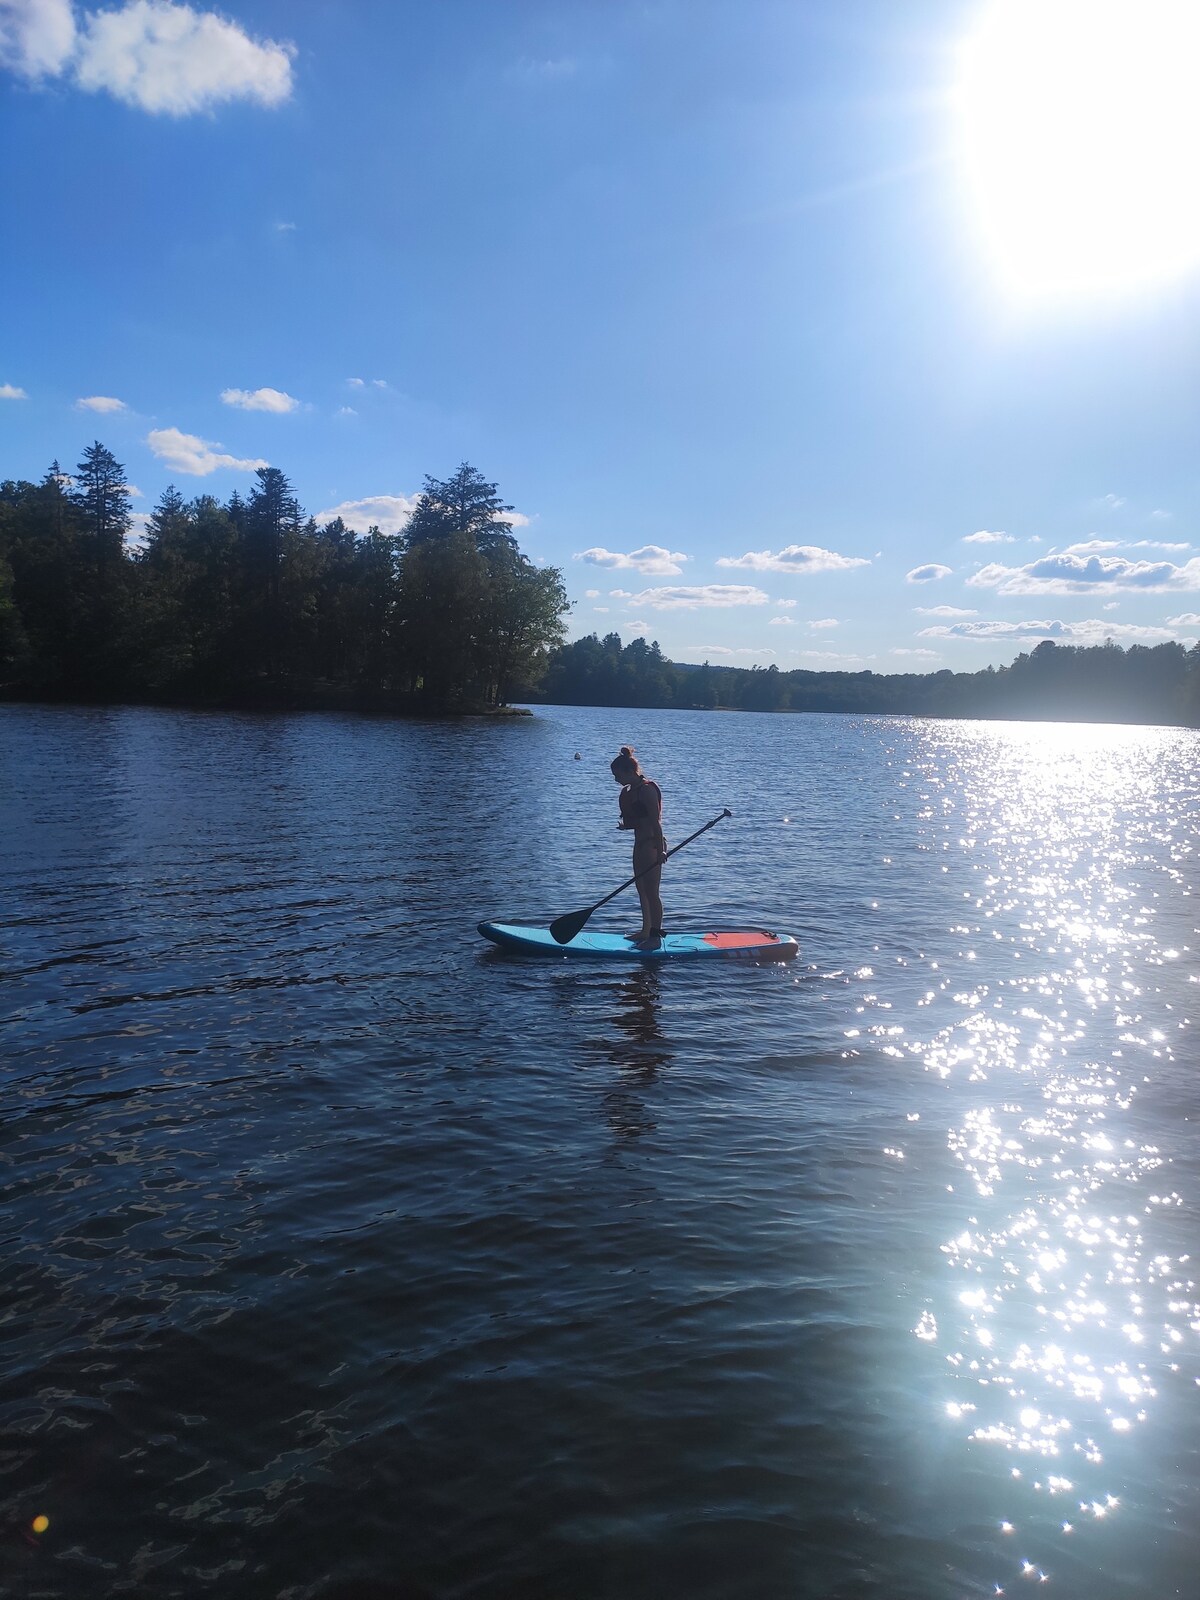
928	573
591	594
1113	502
152	54
984	537
932	655
726	650
786	605
9	391
184	452
356	383
636	630
794	558
1068	573
943	611
782	622
817	624
139	527
1089	547
36	36
285	227
388	512
1091	631
651	560
100	402
379	383
830	655
347	411
168	58
1112	605
1185	619
1162	516
684	599
259	400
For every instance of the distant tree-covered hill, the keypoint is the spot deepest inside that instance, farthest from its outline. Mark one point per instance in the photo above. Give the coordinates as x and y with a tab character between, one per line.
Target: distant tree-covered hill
1158	684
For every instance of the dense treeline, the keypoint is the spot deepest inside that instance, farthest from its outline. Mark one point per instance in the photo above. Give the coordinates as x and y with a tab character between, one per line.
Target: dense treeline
250	599
1102	683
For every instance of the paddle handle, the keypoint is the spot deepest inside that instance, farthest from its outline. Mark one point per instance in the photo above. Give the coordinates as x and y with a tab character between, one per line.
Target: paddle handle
671	852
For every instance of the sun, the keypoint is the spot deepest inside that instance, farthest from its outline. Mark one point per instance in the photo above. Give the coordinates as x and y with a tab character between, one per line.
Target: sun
1080	139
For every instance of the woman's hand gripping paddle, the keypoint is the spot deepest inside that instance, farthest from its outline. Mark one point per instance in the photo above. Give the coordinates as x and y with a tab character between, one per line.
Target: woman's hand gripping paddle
564	929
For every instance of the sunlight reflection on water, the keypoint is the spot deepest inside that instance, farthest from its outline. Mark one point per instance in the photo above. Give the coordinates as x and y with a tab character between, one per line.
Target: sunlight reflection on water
1070	1312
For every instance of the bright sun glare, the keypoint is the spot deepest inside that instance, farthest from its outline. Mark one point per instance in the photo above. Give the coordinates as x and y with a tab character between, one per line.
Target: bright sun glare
1081	138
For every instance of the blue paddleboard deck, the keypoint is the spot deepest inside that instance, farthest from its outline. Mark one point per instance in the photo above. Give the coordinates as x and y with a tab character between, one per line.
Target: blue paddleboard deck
751	944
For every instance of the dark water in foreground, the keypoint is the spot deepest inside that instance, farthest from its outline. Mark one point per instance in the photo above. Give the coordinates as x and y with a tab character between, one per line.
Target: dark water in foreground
337	1245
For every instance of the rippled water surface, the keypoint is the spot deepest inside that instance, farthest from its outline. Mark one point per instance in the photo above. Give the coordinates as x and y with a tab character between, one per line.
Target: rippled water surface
340	1248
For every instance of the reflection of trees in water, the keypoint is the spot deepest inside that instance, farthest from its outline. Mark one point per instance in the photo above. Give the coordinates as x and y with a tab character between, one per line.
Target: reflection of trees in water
637	1047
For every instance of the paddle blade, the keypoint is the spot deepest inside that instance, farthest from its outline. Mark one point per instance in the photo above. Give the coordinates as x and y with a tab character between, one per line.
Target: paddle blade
564	929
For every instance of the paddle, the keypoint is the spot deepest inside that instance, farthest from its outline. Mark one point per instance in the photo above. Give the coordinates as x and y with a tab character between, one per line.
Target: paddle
564	929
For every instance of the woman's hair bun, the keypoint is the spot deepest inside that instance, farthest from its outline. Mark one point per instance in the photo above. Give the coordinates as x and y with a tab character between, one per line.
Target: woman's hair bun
627	750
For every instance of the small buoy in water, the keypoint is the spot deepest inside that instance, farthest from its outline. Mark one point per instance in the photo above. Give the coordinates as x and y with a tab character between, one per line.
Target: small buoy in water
40	1524
578	757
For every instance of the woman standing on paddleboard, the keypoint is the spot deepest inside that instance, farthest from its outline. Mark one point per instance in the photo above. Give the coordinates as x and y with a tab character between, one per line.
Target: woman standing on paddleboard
641	810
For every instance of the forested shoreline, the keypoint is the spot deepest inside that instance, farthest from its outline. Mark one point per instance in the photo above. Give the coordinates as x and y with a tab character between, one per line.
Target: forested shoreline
251	603
1051	683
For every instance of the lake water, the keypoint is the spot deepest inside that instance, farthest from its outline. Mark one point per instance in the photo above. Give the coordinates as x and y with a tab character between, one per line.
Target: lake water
341	1249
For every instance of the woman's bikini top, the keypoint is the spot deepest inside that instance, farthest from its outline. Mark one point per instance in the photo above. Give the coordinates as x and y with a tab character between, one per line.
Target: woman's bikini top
641	803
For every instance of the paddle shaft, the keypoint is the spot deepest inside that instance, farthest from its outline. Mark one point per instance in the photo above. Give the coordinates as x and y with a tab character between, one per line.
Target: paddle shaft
674	851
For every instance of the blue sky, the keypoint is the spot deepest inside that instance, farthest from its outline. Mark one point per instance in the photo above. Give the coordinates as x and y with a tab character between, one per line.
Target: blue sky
749	308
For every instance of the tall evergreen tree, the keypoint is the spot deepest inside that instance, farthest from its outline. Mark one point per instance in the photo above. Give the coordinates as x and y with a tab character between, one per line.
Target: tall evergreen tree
102	497
464	504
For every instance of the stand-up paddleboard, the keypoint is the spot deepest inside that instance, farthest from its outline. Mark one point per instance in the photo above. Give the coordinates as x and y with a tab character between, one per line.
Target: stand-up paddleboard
752	944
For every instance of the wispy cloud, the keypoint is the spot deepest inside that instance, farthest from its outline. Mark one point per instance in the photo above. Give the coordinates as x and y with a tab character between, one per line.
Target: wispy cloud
931	655
818	624
1092	631
652	560
794	558
694	599
944	611
1111	502
184	452
151	54
985	537
1068	573
929	573
728	650
259	400
781	622
10	391
554	69
830	655
103	403
388	512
